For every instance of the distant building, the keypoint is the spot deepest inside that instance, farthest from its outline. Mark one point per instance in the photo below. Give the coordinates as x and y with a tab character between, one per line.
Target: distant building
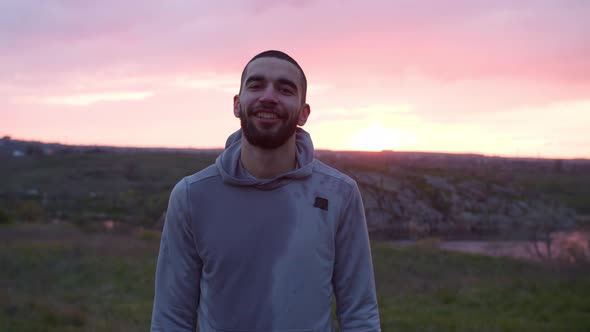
18	153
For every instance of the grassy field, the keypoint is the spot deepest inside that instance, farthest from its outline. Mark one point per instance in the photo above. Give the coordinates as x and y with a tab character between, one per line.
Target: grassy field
134	187
128	187
423	289
59	278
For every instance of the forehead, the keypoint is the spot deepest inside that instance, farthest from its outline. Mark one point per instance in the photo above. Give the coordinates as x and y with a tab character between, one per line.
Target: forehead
273	69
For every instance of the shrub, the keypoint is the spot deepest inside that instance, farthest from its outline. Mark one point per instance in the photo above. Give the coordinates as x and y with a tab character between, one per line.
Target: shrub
28	211
5	218
149	235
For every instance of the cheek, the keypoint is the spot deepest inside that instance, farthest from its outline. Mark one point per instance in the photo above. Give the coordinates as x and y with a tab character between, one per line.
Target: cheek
246	101
294	106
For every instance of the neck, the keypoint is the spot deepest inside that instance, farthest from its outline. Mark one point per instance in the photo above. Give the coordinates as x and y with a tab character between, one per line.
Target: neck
268	163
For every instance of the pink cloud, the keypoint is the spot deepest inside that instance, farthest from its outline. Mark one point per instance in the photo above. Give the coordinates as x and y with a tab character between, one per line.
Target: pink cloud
450	62
462	40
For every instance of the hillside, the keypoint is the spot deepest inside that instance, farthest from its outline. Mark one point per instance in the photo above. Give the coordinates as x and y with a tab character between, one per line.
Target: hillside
406	194
414	194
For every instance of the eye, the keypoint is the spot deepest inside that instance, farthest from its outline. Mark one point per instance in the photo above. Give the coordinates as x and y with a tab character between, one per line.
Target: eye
286	90
254	85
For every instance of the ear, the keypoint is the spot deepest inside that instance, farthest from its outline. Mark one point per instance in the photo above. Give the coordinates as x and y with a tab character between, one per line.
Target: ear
303	115
237	106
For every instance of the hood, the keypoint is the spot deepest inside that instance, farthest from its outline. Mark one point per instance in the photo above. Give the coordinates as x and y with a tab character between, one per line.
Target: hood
232	171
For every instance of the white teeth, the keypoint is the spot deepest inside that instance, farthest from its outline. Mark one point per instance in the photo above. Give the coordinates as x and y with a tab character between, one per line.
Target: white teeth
264	115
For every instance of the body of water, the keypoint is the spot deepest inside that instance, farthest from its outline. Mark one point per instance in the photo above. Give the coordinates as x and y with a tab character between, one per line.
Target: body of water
564	246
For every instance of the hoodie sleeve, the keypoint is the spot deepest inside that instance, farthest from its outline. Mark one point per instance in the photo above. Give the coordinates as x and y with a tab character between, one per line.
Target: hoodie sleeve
178	271
353	278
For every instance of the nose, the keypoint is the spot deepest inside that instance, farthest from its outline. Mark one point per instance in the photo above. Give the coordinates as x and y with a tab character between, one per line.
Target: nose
268	95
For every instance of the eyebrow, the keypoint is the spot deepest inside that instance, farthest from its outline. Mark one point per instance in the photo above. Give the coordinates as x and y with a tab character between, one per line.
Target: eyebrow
281	80
288	82
254	79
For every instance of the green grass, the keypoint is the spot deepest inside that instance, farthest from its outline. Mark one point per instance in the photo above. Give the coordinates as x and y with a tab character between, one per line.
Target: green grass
424	289
58	278
571	189
131	187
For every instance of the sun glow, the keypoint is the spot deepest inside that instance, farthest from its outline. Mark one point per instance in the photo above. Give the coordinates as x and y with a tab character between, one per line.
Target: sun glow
377	138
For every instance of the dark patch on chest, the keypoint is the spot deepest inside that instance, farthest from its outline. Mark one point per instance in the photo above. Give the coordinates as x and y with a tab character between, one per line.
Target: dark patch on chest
321	203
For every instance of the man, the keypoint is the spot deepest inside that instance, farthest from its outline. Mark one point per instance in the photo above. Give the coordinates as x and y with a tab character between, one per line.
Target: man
263	239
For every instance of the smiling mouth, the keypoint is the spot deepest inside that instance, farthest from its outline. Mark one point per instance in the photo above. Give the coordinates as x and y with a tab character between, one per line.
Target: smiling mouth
266	115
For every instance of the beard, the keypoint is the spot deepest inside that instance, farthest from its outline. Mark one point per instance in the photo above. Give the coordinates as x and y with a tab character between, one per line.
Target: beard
266	140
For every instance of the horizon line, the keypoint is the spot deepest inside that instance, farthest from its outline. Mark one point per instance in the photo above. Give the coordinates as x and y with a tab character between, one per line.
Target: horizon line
219	148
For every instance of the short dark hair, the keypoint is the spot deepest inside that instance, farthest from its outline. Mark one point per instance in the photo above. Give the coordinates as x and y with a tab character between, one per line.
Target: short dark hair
278	55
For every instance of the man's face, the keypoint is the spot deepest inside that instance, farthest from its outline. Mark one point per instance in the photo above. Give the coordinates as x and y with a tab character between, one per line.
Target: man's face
270	105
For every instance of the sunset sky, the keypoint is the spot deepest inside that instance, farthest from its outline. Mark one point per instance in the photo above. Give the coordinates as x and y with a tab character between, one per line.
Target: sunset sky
508	78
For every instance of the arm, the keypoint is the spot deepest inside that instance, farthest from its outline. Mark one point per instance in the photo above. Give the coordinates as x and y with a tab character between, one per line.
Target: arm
353	279
179	269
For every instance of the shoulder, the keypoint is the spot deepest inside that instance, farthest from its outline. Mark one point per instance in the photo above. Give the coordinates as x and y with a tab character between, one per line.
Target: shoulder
332	174
182	187
208	172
